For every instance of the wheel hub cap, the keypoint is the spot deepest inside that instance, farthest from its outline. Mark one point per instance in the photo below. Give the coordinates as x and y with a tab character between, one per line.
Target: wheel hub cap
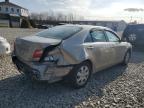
82	75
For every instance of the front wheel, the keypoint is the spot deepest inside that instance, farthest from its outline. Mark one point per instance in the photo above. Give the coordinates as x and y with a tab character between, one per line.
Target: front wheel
80	74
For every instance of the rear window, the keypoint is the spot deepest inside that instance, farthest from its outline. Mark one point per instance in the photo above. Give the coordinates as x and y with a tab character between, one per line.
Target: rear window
59	32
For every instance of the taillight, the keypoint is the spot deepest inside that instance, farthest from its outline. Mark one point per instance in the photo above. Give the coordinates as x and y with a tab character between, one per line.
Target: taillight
37	54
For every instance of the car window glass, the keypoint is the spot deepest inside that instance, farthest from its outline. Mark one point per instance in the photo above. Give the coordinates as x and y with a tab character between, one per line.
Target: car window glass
112	37
59	32
98	36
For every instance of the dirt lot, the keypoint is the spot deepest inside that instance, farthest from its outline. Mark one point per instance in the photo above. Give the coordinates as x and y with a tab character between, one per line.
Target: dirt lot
116	87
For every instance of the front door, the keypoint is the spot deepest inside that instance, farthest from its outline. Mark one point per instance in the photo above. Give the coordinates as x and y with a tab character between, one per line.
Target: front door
117	47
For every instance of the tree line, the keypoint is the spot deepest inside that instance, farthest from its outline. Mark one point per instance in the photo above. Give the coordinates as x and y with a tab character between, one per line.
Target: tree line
50	17
57	16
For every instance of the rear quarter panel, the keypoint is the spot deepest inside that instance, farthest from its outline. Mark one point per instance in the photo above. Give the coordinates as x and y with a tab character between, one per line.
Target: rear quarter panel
73	50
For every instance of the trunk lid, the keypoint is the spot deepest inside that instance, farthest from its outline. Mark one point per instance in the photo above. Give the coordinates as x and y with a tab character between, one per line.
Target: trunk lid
26	46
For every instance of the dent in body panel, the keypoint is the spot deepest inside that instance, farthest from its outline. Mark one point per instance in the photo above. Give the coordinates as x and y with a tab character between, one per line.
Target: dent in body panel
73	55
72	49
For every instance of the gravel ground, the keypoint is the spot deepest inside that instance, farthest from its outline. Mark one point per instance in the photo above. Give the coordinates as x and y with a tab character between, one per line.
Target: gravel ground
11	33
116	87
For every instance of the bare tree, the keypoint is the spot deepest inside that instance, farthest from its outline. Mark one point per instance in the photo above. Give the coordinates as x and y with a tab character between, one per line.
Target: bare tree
55	16
133	9
34	16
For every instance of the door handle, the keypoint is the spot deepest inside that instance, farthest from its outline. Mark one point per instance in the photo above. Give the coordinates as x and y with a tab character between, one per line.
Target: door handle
90	47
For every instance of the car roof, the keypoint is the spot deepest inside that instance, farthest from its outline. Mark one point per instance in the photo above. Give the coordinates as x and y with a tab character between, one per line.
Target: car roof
88	26
136	25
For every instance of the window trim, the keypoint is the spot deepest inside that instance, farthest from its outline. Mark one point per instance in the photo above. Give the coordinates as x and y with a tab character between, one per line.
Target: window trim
112	33
85	40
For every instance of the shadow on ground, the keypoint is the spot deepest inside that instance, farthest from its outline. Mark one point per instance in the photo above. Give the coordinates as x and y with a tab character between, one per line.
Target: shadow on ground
19	92
137	57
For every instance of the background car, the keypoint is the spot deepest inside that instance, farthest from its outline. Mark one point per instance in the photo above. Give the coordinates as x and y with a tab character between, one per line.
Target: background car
39	26
134	34
71	52
4	46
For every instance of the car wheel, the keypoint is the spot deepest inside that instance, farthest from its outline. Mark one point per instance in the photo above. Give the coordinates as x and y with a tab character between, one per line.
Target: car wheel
126	58
80	75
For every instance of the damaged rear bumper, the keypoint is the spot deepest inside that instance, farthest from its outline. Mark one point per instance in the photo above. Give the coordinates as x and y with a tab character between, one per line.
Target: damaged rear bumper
42	71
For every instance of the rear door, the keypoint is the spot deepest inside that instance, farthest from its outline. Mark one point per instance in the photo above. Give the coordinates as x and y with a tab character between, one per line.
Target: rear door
99	49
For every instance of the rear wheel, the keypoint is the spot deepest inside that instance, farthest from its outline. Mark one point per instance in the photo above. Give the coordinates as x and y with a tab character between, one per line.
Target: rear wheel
80	74
126	58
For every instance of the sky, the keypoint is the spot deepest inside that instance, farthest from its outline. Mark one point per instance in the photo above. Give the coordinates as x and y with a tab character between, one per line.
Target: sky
90	9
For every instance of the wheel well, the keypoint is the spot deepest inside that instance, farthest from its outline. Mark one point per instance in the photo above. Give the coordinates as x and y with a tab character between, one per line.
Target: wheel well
89	61
129	50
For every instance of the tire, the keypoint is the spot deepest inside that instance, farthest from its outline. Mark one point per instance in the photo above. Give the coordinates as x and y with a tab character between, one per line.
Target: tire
126	58
80	75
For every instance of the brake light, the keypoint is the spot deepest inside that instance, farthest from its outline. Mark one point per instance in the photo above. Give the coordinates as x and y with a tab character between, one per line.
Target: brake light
37	54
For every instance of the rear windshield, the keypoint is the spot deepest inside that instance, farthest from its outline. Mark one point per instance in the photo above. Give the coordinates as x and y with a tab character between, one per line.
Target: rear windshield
59	32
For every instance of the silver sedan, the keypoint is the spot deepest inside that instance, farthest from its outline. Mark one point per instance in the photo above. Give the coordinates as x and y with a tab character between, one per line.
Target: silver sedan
71	52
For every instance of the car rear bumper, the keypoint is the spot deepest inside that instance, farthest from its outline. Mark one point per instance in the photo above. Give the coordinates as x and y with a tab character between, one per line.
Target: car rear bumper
23	68
42	71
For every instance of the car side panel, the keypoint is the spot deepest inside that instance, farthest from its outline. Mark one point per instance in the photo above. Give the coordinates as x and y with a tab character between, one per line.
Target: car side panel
120	49
100	54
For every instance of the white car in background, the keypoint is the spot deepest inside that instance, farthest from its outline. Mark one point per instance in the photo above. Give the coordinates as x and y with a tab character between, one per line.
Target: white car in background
4	46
